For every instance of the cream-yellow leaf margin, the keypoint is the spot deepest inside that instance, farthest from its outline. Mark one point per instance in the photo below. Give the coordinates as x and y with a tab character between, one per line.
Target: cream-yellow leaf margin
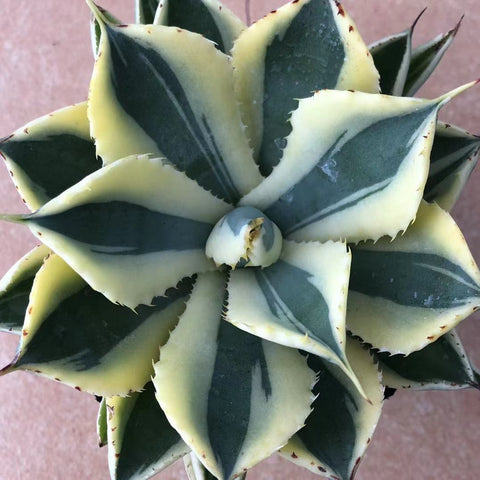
363	213
185	371
134	279
124	368
364	414
71	120
358	71
209	92
396	328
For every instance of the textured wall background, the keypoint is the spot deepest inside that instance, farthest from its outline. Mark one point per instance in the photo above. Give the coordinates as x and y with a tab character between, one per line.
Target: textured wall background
47	431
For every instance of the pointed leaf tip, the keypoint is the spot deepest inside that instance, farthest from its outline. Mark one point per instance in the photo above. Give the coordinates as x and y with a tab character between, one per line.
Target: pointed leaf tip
456	28
444	99
97	12
12	218
414	24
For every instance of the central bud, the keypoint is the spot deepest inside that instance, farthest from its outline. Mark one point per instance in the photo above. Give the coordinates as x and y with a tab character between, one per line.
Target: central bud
245	237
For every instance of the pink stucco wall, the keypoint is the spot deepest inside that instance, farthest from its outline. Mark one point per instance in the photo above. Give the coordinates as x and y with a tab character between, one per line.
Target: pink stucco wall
47	431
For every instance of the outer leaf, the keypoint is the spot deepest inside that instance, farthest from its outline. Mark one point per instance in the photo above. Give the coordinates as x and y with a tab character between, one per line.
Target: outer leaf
150	94
300	301
407	293
132	229
425	59
391	56
50	154
442	365
75	335
454	155
314	45
141	442
102	427
207	17
145	11
250	395
373	152
342	422
15	288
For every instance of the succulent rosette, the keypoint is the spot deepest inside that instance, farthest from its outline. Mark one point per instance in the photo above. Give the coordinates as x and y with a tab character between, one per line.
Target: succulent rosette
214	203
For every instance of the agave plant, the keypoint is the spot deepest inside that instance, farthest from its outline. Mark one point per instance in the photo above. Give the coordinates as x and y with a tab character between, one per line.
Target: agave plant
204	218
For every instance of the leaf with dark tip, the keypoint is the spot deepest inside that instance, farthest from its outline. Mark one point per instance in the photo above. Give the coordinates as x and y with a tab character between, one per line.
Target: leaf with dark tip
452	160
392	56
441	365
425	58
141	442
15	288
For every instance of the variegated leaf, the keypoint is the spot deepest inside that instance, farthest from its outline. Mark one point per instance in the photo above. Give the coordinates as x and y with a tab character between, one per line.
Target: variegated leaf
76	336
131	230
249	395
208	17
299	301
102	427
425	58
373	152
454	155
407	293
50	154
15	288
141	442
391	56
342	422
151	94
304	46
441	365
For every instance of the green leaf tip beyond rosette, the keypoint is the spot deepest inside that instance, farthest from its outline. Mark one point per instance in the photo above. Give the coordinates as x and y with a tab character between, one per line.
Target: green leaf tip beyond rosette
441	365
404	70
